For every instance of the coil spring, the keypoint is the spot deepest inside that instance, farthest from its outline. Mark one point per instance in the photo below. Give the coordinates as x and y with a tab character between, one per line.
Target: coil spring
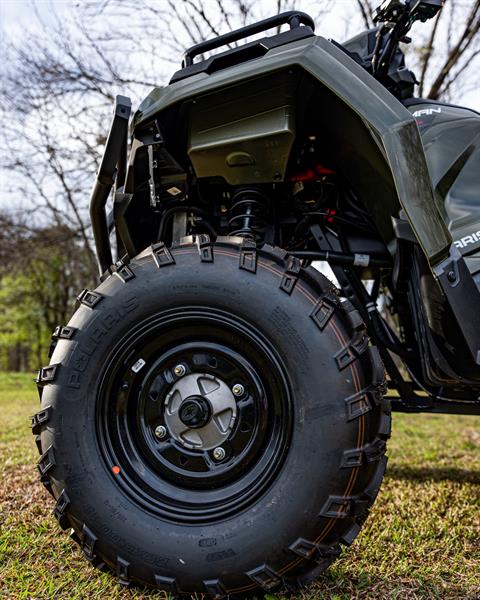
249	213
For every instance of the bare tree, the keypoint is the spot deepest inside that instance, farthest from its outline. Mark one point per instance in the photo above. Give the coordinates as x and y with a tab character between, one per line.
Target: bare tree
445	52
461	55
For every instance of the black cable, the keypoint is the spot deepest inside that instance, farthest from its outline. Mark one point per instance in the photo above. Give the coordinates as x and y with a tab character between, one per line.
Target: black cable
340	258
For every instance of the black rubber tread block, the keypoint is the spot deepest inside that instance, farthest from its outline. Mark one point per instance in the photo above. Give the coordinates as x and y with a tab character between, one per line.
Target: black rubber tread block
63	332
60	332
354	316
122	271
122	571
352	458
279	255
378	370
324	309
303	548
40	418
375	450
38	442
47	484
63	502
357	346
89	299
88	541
47	375
205	249
44	465
215	589
98	563
368	453
337	507
162	255
74	536
186	240
46	462
265	577
229	240
328	550
292	272
167	584
344	357
358	404
378	385
364	502
385	425
248	256
372	489
348	537
359	341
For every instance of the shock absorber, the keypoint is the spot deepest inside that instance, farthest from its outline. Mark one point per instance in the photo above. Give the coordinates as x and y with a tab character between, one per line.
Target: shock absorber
249	212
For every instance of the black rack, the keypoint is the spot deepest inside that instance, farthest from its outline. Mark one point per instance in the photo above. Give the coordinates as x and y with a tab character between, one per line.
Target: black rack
301	26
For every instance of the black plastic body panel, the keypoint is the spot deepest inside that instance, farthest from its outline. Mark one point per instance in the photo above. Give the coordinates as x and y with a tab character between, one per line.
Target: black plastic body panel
451	140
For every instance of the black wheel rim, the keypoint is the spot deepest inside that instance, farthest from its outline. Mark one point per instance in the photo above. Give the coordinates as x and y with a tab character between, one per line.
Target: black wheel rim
137	442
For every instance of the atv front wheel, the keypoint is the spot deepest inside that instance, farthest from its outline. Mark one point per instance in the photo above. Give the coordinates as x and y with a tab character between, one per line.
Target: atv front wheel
212	421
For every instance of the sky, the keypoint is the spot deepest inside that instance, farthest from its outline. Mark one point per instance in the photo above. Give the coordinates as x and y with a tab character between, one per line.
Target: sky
16	16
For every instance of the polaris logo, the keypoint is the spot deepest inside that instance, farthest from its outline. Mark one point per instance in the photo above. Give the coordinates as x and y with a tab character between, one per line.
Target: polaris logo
468	239
426	112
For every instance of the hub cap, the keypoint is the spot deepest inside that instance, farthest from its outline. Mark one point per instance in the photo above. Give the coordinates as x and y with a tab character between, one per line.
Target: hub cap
200	411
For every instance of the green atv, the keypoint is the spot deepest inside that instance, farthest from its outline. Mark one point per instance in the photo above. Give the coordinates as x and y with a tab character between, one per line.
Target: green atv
213	417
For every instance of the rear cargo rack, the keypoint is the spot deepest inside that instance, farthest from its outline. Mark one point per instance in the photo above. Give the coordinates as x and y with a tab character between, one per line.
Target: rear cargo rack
255	49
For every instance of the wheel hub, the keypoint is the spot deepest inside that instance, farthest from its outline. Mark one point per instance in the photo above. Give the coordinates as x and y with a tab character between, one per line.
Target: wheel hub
200	411
204	424
195	412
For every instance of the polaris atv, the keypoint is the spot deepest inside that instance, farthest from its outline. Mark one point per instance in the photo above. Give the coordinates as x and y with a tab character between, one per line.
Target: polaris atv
214	416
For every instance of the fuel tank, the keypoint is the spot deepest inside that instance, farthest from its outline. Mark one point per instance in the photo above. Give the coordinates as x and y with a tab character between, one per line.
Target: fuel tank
451	140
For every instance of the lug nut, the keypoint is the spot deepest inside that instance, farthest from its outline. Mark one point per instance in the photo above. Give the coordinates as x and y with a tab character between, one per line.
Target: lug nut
219	453
238	389
180	370
160	432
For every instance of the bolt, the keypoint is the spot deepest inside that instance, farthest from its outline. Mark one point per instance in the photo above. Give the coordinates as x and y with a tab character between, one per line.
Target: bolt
451	276
238	389
125	385
160	432
219	453
180	370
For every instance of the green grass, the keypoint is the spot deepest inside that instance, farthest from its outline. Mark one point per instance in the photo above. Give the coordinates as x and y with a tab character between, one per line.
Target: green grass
421	540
